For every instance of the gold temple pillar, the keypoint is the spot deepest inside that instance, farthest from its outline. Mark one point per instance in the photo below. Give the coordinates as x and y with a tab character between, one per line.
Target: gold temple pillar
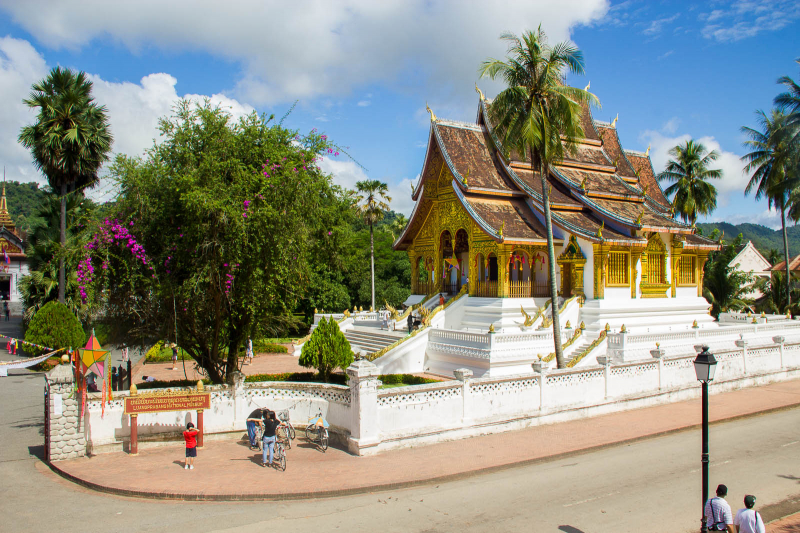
503	255
702	257
636	254
675	257
600	269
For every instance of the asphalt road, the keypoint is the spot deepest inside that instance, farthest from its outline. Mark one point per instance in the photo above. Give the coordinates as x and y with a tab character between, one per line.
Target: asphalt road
651	485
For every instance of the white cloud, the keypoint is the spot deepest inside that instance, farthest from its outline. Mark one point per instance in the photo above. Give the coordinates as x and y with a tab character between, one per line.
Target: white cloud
747	18
768	217
364	103
656	26
322	48
347	173
20	67
733	180
671	126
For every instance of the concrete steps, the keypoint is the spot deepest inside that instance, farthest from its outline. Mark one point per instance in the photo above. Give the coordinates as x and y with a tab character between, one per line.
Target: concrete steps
364	340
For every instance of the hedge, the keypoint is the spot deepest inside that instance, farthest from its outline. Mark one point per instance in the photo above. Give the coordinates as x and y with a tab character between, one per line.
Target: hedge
55	326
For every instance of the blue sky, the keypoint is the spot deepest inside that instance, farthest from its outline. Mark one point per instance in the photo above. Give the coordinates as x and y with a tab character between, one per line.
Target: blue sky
363	71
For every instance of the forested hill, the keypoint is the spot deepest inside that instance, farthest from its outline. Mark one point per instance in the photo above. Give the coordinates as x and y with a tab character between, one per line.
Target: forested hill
763	237
23	202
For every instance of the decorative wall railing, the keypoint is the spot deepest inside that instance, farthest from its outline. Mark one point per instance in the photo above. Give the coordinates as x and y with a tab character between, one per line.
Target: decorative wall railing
486	289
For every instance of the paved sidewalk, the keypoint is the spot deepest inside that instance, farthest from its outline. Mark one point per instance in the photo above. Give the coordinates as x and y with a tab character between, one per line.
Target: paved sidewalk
228	470
790	524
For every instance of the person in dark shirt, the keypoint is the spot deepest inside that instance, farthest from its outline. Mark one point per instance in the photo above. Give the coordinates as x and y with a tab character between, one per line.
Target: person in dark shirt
255	418
270	425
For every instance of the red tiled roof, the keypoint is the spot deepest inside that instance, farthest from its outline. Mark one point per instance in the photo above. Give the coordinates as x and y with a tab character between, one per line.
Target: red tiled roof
470	151
647	178
512	215
794	265
532	180
613	148
599	182
632	210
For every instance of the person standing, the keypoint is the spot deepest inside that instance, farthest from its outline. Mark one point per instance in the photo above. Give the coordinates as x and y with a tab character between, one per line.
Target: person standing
441	299
174	356
249	351
748	520
190	436
255	418
717	512
410	322
7	309
270	424
125	355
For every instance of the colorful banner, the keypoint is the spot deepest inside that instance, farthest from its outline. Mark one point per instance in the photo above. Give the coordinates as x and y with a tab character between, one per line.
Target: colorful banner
159	403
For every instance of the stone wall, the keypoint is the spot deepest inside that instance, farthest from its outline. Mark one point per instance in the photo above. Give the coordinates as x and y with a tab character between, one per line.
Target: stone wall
67	438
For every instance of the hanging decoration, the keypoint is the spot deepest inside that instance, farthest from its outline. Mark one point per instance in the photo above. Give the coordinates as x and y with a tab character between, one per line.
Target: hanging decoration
95	360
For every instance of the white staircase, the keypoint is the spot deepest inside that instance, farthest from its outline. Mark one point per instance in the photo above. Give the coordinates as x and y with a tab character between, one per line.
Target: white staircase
370	340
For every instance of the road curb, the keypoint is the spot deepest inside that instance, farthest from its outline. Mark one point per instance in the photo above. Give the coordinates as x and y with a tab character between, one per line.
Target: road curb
390	486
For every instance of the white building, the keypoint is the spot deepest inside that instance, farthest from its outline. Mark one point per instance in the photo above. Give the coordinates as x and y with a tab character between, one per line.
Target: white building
748	259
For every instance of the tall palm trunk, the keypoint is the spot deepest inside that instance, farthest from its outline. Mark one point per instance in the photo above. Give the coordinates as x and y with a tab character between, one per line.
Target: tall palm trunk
372	262
551	256
786	255
62	281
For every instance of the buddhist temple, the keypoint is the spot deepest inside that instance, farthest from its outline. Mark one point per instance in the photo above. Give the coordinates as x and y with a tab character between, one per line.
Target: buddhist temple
13	262
478	226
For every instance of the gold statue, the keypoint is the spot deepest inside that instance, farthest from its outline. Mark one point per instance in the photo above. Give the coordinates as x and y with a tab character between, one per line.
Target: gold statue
583	325
623	329
583	183
639	218
360	308
491	328
568	326
608	327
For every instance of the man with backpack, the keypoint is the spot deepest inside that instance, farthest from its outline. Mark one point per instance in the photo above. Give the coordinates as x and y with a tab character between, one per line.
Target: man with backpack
717	512
748	520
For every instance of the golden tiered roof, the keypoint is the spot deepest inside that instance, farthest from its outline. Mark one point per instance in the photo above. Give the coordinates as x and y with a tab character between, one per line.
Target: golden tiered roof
5	216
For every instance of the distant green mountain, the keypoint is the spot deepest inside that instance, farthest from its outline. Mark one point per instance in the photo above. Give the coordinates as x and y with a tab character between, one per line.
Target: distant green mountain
23	202
763	238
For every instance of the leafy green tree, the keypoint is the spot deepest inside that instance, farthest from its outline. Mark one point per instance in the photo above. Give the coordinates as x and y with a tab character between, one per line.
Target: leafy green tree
725	287
770	163
55	326
538	115
217	233
44	252
372	204
692	193
327	349
774	299
69	141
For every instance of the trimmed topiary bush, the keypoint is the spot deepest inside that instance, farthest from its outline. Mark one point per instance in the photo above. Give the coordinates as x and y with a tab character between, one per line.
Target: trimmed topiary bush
327	349
262	346
55	326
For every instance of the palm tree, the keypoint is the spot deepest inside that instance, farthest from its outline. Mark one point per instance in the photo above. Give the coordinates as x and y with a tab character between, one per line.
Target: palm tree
693	194
769	161
790	100
69	141
539	115
372	204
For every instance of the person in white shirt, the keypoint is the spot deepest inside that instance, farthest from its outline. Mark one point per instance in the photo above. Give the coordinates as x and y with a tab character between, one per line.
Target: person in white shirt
718	513
748	520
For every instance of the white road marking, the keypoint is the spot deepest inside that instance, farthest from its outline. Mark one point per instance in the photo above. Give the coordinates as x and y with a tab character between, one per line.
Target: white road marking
710	465
590	499
789	443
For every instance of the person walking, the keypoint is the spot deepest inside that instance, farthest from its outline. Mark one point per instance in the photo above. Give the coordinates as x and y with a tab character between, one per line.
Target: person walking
249	351
441	299
748	520
190	436
410	322
174	356
270	424
717	512
125	355
253	419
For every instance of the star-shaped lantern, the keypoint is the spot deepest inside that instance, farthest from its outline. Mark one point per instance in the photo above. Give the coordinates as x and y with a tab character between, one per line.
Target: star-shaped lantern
91	358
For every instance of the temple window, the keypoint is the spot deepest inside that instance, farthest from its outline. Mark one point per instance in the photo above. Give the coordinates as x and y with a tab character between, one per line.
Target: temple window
618	268
687	269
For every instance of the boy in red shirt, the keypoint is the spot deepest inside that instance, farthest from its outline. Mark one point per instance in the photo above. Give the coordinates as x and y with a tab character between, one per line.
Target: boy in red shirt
190	436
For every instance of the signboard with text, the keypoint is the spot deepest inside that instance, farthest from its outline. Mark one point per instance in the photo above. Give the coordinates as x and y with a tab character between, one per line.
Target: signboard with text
160	403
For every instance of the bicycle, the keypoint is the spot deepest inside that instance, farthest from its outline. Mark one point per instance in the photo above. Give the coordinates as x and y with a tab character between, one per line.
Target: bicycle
278	451
317	431
287	428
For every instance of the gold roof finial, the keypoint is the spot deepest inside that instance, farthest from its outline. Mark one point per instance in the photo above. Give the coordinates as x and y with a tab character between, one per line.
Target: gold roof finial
466	178
502	227
583	183
647	152
600	229
644	190
480	92
587	86
639	218
433	116
5	216
614	122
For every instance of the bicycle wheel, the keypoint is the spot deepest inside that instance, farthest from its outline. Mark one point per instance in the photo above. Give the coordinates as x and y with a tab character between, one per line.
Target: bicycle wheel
286	440
292	434
323	439
282	458
311	433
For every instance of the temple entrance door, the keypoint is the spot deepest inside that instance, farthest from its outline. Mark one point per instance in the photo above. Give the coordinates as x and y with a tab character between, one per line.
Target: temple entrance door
461	253
566	281
5	288
492	268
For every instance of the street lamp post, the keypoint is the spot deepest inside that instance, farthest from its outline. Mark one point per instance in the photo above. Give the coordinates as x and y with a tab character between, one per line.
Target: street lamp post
704	366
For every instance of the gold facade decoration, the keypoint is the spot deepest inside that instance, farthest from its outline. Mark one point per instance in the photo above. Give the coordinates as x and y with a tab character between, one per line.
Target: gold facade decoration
572	263
654	268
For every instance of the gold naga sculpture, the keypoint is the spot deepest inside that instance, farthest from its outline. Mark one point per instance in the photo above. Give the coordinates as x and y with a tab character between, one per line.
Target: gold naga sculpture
528	319
392	310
